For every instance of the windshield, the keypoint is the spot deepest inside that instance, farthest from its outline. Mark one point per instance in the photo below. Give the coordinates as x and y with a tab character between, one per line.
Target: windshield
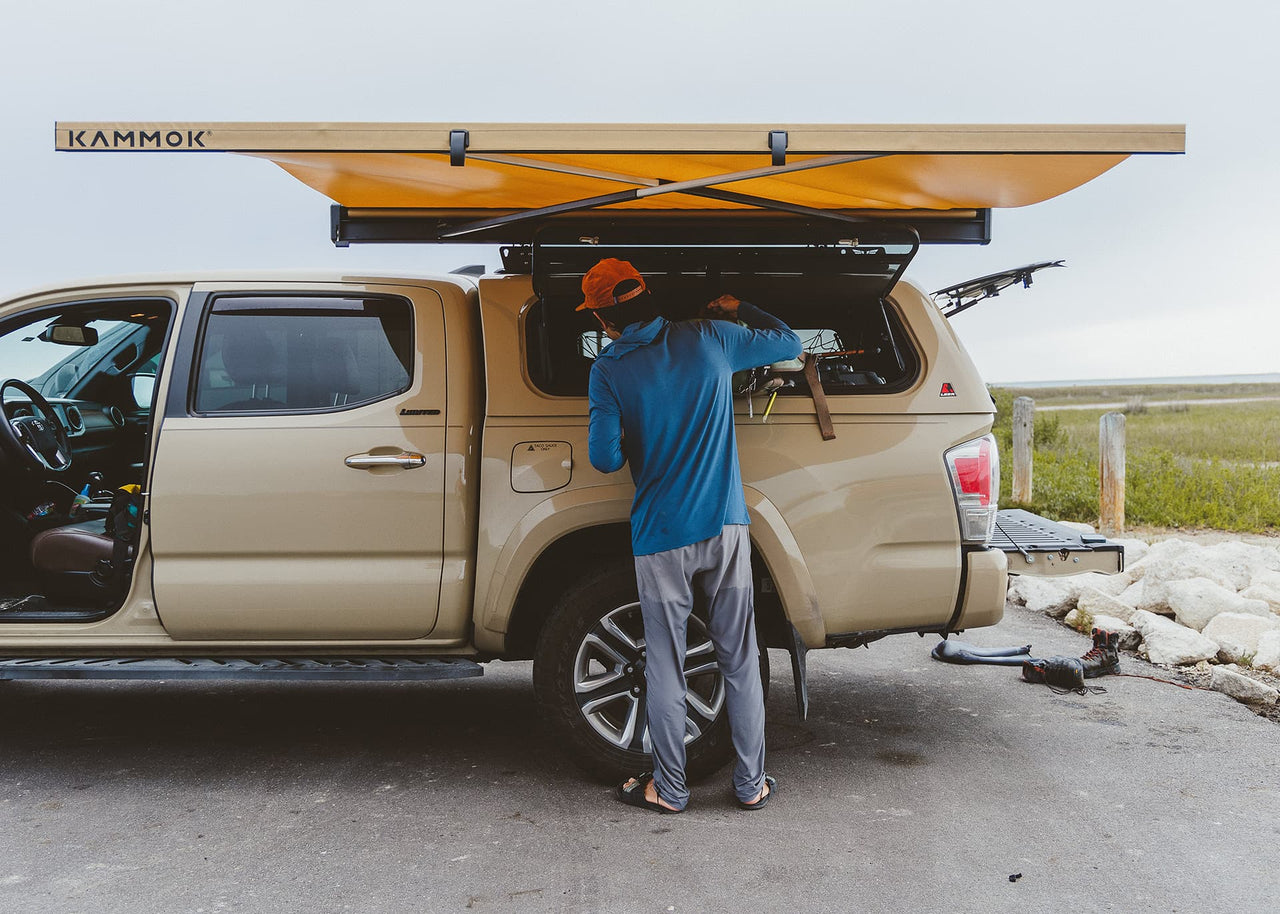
54	368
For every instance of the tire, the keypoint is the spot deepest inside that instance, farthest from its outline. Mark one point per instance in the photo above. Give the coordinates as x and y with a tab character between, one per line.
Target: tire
591	689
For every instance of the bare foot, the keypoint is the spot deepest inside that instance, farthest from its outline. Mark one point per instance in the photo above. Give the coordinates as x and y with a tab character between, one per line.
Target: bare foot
764	792
650	793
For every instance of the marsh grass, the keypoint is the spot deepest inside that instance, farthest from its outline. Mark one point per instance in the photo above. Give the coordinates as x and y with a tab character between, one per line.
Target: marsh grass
1196	465
1120	393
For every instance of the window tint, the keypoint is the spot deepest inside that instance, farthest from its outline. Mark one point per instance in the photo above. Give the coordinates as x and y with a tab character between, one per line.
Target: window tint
303	354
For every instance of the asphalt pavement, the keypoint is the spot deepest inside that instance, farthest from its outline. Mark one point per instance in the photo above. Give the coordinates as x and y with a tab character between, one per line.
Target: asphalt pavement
915	786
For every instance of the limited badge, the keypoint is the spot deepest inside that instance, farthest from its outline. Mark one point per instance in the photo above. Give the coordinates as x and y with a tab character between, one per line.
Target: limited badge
947	390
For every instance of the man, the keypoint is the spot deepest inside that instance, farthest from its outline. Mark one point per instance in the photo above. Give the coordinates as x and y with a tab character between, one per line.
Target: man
661	400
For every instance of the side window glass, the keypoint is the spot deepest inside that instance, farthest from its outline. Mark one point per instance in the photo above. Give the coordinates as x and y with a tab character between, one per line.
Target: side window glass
303	354
861	346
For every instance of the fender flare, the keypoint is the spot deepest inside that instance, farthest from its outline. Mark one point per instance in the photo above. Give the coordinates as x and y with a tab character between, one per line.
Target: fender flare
567	512
544	524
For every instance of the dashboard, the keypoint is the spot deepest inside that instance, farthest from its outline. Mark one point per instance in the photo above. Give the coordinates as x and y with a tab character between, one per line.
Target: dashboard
90	427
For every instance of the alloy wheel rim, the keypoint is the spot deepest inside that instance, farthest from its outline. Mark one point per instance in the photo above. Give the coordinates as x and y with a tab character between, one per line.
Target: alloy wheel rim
608	679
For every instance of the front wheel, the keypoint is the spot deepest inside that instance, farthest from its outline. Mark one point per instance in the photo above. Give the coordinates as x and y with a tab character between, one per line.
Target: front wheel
588	676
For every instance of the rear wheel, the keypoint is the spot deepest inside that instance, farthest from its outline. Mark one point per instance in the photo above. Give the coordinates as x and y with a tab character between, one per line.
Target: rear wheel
588	675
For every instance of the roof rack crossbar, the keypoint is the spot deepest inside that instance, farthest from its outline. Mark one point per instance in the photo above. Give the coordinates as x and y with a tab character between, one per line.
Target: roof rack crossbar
672	187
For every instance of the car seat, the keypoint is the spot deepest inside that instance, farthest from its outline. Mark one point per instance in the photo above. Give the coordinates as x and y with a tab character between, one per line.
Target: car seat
251	360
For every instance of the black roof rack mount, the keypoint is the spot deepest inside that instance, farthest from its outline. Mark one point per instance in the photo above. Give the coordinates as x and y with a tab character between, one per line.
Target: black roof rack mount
392	225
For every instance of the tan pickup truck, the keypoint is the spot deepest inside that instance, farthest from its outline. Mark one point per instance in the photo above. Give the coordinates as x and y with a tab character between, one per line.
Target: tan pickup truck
347	476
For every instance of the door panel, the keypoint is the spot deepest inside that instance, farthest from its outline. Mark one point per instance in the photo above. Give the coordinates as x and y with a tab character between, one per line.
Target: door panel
260	529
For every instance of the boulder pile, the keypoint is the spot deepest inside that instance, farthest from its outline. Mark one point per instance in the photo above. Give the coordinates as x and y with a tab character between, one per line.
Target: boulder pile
1179	603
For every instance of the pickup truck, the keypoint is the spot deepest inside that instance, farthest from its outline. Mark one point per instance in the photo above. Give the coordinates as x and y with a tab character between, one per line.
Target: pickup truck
364	477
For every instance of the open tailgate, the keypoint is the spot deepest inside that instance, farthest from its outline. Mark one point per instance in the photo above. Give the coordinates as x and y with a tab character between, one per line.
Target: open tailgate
1038	546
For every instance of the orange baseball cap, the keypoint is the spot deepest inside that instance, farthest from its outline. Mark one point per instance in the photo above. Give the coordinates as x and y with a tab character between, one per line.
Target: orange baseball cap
600	281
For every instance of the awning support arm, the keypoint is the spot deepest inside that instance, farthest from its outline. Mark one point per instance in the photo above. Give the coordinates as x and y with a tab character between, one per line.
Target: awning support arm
559	168
674	187
730	196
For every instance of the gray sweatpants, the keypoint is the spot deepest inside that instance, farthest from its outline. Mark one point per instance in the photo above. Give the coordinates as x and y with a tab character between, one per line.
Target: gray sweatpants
713	575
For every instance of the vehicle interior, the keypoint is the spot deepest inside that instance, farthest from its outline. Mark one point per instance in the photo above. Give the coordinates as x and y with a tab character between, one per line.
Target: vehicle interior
75	427
830	288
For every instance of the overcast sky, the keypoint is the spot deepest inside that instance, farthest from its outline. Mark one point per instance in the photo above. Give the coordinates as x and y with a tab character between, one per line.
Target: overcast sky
1170	257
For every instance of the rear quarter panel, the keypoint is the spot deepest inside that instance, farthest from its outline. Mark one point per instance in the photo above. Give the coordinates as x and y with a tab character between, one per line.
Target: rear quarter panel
859	533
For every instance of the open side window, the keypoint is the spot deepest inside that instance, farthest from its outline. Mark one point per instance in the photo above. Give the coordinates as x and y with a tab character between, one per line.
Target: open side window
964	295
829	287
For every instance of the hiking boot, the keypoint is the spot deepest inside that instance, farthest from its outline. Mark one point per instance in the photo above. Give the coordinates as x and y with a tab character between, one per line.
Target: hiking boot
1103	658
1057	672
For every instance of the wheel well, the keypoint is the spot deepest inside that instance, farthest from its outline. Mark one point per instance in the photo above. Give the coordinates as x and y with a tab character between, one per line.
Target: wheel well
561	562
582	550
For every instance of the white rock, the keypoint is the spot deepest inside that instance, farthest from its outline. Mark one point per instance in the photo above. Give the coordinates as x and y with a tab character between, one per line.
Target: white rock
1055	596
1162	571
1196	601
1265	592
1129	637
1267	578
1078	527
1131	594
1238	562
1134	550
1165	641
1161	551
1095	602
1110	584
1241	687
1268	655
1237	634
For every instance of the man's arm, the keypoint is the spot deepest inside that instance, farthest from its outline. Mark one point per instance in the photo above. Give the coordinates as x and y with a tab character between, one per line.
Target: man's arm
604	431
763	341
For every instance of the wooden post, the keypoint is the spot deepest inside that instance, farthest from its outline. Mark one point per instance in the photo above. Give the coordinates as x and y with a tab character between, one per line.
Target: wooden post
1111	471
1024	414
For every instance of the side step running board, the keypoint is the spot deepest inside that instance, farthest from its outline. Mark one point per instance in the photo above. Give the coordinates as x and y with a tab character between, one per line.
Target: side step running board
394	669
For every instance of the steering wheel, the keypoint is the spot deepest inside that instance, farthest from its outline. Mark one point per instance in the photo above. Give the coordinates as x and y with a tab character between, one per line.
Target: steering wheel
39	442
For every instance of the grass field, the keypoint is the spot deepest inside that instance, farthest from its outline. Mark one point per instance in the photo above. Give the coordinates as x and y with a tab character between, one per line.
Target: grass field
1193	465
1066	396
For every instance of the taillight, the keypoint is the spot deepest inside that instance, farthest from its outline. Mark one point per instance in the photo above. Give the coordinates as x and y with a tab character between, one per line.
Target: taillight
975	482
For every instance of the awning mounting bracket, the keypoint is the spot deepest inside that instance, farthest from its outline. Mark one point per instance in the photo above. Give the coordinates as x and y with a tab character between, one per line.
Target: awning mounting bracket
459	140
778	146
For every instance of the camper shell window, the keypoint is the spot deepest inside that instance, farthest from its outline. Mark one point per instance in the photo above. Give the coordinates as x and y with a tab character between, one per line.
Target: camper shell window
832	291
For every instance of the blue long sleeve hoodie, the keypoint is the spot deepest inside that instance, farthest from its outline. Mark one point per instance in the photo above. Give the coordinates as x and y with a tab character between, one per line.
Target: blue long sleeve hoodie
667	385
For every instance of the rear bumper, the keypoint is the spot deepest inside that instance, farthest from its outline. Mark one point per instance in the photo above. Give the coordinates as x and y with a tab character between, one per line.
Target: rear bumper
986	582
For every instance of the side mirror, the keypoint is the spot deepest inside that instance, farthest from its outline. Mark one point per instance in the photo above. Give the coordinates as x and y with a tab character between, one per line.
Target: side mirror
69	335
144	388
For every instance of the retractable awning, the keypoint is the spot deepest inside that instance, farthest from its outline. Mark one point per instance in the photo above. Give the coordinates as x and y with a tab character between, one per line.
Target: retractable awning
490	182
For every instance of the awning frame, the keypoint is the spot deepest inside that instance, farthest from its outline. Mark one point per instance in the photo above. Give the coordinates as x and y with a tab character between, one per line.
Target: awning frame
694	187
386	200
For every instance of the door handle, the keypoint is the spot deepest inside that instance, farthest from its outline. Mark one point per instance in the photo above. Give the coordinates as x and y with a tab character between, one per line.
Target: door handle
404	460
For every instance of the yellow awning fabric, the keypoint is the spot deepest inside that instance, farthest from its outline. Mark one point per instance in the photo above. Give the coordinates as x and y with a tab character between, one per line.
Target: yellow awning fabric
516	167
898	182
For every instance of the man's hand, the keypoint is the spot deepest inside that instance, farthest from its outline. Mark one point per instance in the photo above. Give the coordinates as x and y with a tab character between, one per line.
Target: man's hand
723	308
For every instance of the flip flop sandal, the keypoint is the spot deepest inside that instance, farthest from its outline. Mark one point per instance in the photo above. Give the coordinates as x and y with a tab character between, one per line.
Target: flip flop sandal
760	803
634	795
